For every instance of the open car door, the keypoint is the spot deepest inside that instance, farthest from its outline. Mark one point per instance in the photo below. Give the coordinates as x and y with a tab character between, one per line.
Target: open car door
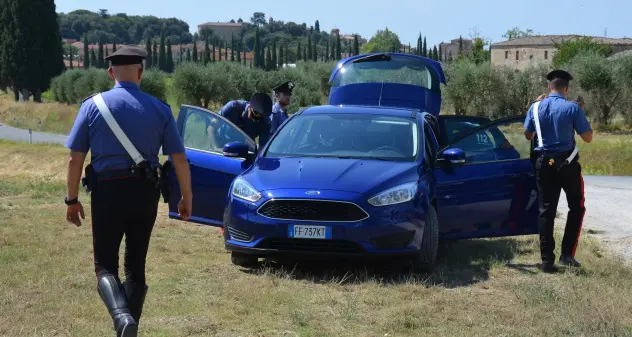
486	184
211	172
388	79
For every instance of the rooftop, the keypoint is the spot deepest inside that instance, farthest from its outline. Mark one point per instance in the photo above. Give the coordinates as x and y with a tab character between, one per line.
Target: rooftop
551	39
225	24
359	109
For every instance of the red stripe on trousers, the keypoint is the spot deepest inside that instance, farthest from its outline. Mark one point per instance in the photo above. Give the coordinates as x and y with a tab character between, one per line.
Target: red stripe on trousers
581	220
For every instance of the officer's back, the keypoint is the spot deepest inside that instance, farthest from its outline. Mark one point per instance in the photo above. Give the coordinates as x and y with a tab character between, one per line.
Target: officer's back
559	119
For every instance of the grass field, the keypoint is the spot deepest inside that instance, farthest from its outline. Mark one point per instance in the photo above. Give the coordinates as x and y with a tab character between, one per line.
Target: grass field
481	287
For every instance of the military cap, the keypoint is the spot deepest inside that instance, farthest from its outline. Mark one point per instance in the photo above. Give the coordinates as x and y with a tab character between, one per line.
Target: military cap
286	87
558	73
261	103
127	55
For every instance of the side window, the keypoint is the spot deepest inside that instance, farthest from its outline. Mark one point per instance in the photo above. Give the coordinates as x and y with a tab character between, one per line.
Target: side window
454	127
495	143
206	131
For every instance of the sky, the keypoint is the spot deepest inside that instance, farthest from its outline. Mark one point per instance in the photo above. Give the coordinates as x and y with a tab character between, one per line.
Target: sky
439	21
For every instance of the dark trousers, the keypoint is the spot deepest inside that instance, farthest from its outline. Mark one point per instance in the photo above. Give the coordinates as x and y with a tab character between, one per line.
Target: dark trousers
550	182
123	207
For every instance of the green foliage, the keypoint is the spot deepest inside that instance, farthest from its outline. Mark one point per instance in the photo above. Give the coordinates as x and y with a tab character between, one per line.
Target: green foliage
121	28
382	41
568	49
516	33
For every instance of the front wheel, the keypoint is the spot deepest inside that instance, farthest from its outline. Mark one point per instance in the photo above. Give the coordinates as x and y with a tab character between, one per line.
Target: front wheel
426	260
243	260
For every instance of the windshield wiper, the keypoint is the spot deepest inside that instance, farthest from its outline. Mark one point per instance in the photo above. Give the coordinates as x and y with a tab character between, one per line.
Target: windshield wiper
373	58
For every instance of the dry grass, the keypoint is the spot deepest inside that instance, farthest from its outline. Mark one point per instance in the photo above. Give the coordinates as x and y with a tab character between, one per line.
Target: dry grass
481	288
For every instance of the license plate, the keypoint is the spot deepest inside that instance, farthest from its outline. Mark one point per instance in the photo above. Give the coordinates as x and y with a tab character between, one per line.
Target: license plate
309	232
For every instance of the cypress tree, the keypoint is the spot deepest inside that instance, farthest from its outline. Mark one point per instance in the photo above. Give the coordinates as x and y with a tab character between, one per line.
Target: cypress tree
162	55
100	60
93	57
315	51
269	65
298	52
188	55
304	54
239	45
86	52
149	62
333	48
275	61
338	48
156	60
440	54
194	54
169	63
356	45
460	45
232	48
287	54
256	48
207	52
106	55
309	47
213	51
281	57
420	46
219	54
71	53
425	50
225	44
113	47
327	51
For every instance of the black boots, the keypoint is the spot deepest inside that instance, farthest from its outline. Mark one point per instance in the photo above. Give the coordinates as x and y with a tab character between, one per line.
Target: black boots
569	260
113	296
135	298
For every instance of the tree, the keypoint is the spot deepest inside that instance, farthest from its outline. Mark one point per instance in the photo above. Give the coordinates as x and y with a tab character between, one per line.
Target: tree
382	41
232	48
239	45
213	51
258	19
189	54
568	49
86	52
274	55
281	57
162	55
100	60
435	54
315	51
298	51
317	26
149	60
225	45
420	45
207	52
219	49
155	54
255	50
356	45
478	51
309	46
460	46
240	20
425	48
269	65
195	52
169	63
93	57
113	47
338	48
516	33
232	20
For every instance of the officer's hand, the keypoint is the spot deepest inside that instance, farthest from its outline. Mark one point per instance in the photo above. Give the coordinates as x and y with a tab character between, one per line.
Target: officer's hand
541	97
184	208
73	212
580	101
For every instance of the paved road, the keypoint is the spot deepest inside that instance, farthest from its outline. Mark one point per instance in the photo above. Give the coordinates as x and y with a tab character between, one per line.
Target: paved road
21	135
608	211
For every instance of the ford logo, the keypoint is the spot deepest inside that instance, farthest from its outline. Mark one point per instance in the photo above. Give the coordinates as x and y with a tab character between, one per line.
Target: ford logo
312	192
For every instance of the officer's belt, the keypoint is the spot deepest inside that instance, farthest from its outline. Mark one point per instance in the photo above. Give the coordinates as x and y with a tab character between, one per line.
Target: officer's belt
120	174
538	131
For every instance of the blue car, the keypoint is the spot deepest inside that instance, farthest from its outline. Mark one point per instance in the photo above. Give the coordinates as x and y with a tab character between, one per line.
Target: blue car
376	173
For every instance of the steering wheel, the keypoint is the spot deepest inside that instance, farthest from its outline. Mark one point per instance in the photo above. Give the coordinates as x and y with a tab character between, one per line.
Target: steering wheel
387	148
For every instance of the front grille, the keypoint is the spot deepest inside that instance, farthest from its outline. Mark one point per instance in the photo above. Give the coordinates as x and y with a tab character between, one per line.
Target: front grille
311	245
312	210
238	235
393	241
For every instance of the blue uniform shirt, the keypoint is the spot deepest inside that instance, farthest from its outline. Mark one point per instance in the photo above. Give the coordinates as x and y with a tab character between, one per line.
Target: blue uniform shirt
237	112
559	120
147	122
277	118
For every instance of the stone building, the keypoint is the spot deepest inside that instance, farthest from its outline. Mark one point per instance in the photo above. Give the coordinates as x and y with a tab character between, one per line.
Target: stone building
222	29
533	50
452	48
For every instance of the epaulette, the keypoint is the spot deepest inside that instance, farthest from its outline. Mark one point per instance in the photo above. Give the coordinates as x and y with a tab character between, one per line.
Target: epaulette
87	98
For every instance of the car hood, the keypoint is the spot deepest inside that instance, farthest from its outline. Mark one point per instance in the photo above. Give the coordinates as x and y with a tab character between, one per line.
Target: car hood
350	175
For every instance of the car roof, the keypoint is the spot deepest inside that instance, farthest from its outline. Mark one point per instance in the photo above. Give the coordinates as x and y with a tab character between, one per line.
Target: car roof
360	109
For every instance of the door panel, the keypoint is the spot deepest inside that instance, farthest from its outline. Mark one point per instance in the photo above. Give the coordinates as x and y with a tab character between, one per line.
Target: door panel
494	192
204	134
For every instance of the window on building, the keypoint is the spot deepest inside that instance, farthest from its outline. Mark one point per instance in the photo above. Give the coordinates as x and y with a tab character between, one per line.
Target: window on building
546	54
506	54
517	55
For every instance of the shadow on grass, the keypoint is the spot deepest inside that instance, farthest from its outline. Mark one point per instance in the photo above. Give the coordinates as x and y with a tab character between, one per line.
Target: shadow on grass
460	263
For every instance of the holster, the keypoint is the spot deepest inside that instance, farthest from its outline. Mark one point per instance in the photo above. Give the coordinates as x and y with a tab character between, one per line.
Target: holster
556	160
165	187
89	179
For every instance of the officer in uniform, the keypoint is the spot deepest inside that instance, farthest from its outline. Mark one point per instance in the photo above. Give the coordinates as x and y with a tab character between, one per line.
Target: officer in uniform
553	121
125	194
252	117
283	95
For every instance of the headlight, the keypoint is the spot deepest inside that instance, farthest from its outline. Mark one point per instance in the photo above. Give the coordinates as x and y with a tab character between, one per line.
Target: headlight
243	190
395	195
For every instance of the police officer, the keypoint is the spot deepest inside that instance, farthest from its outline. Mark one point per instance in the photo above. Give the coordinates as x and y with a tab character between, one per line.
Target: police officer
553	121
252	117
283	94
125	196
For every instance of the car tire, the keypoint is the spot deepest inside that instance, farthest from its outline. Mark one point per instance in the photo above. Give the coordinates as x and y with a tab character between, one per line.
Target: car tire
426	260
243	260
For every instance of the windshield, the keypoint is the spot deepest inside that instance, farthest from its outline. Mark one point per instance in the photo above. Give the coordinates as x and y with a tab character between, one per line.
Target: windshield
393	69
347	136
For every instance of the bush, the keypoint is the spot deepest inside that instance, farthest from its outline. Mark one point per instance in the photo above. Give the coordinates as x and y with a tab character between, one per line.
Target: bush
154	82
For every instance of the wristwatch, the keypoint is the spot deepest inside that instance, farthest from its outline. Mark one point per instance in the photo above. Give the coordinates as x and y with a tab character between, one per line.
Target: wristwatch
71	201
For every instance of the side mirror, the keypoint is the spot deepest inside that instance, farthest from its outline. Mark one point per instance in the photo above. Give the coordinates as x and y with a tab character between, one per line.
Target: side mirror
455	156
236	150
